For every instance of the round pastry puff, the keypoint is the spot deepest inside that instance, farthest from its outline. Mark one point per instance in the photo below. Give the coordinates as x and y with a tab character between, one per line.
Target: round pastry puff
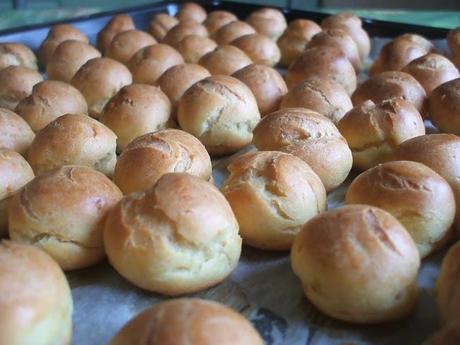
179	237
268	21
357	263
448	286
188	321
191	11
416	195
15	133
444	107
272	195
17	54
160	24
17	83
217	19
119	23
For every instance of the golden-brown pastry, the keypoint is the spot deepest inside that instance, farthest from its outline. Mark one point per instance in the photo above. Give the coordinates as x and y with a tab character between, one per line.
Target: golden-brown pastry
17	54
453	41
193	47
191	11
373	131
127	43
206	323
357	263
432	70
56	35
391	84
176	80
149	63
309	136
49	100
268	21
444	107
15	172
415	195
340	39
98	80
35	299
73	139
216	19
160	24
15	133
67	59
295	38
448	286
353	26
225	60
221	112
63	213
259	48
323	96
399	52
17	83
135	110
119	23
323	62
267	85
272	195
148	157
182	30
439	152
448	335
178	237
231	31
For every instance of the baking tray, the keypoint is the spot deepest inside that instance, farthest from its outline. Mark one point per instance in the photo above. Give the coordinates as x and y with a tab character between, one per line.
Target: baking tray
263	286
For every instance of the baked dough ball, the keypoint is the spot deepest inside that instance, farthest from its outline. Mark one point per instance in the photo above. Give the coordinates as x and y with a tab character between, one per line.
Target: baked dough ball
176	80
432	70
217	19
268	21
295	38
373	131
17	54
182	30
17	83
119	23
56	35
193	47
63	212
73	139
148	157
323	96
357	263
49	100
311	137
225	60
126	43
353	26
35	299
444	107
272	195
259	48
160	24
221	112
15	172
448	335
448	286
399	52
325	63
387	85
98	80
135	110
178	237
453	41
149	63
233	30
15	133
415	195
165	323
267	85
340	39
67	59
439	152
191	11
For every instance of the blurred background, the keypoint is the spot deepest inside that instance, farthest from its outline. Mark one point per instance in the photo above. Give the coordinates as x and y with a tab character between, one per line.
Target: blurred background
437	13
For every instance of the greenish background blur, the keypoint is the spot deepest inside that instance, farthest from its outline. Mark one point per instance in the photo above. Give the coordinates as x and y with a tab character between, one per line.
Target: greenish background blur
438	13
